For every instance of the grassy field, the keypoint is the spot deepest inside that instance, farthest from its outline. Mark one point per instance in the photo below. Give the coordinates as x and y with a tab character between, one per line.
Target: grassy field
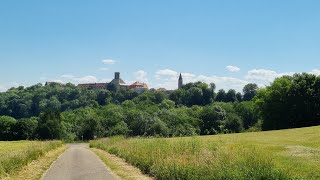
284	154
17	154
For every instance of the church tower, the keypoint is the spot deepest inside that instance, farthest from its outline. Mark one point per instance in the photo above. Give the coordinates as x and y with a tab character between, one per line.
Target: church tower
180	84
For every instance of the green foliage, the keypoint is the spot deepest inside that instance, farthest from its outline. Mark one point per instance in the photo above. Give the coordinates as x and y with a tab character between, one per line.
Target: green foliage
192	110
290	102
221	96
249	91
194	94
120	128
231	96
248	113
26	128
7	125
212	117
233	124
49	126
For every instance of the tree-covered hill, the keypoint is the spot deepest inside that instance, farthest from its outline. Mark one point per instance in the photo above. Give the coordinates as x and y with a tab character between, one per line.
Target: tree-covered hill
68	112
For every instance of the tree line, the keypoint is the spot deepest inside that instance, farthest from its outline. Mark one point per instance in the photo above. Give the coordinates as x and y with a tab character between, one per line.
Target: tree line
71	113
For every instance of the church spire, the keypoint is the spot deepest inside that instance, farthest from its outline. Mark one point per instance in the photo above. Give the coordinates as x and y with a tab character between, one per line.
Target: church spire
180	83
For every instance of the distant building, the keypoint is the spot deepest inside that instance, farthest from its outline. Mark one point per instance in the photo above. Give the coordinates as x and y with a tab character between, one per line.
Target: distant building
94	85
139	87
180	82
118	83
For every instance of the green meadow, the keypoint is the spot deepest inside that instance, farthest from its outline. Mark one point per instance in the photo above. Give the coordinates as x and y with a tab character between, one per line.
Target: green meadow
283	154
14	155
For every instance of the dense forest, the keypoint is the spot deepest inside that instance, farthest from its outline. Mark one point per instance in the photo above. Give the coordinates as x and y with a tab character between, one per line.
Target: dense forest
68	112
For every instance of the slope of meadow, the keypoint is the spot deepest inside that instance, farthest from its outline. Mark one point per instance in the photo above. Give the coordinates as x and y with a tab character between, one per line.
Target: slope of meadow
16	154
284	154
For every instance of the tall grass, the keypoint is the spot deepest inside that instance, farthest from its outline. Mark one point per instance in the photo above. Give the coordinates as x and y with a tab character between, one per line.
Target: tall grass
15	155
192	158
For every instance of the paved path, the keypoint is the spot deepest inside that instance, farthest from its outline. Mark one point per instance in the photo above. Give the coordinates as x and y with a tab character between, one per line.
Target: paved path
78	163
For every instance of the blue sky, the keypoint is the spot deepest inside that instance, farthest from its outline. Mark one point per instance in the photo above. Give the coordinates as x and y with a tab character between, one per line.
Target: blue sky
153	41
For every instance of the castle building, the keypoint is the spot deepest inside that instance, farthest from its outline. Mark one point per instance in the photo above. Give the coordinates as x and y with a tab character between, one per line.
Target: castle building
180	82
118	84
139	87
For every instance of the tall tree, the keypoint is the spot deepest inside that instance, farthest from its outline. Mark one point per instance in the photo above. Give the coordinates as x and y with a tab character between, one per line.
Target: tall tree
7	125
239	97
221	96
231	96
49	125
250	91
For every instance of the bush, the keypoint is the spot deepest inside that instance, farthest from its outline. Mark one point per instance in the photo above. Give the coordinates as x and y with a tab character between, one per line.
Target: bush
7	127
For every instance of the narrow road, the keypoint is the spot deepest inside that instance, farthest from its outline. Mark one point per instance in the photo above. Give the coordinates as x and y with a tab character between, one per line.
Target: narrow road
78	163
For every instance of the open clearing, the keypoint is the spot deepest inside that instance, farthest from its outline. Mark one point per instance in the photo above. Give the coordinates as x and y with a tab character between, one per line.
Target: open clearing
283	154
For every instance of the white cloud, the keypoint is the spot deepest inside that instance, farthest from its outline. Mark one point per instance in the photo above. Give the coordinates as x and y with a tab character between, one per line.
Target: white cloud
261	74
188	75
67	76
5	87
169	79
57	81
103	69
265	75
108	61
141	76
2	88
104	80
166	73
315	72
233	68
86	79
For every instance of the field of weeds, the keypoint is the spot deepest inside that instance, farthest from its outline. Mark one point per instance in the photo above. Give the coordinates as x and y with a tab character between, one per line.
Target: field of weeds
285	154
17	154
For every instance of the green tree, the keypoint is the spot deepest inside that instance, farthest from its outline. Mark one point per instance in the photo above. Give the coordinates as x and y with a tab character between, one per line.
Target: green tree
167	104
212	118
158	128
248	113
233	123
249	91
239	97
231	96
195	96
26	128
7	125
104	97
121	128
273	104
221	96
49	125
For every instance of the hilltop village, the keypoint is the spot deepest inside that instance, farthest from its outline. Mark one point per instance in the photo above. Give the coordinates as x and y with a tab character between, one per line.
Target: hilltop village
117	83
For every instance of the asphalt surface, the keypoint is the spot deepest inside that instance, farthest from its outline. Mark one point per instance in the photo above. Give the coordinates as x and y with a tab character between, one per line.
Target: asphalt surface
78	163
